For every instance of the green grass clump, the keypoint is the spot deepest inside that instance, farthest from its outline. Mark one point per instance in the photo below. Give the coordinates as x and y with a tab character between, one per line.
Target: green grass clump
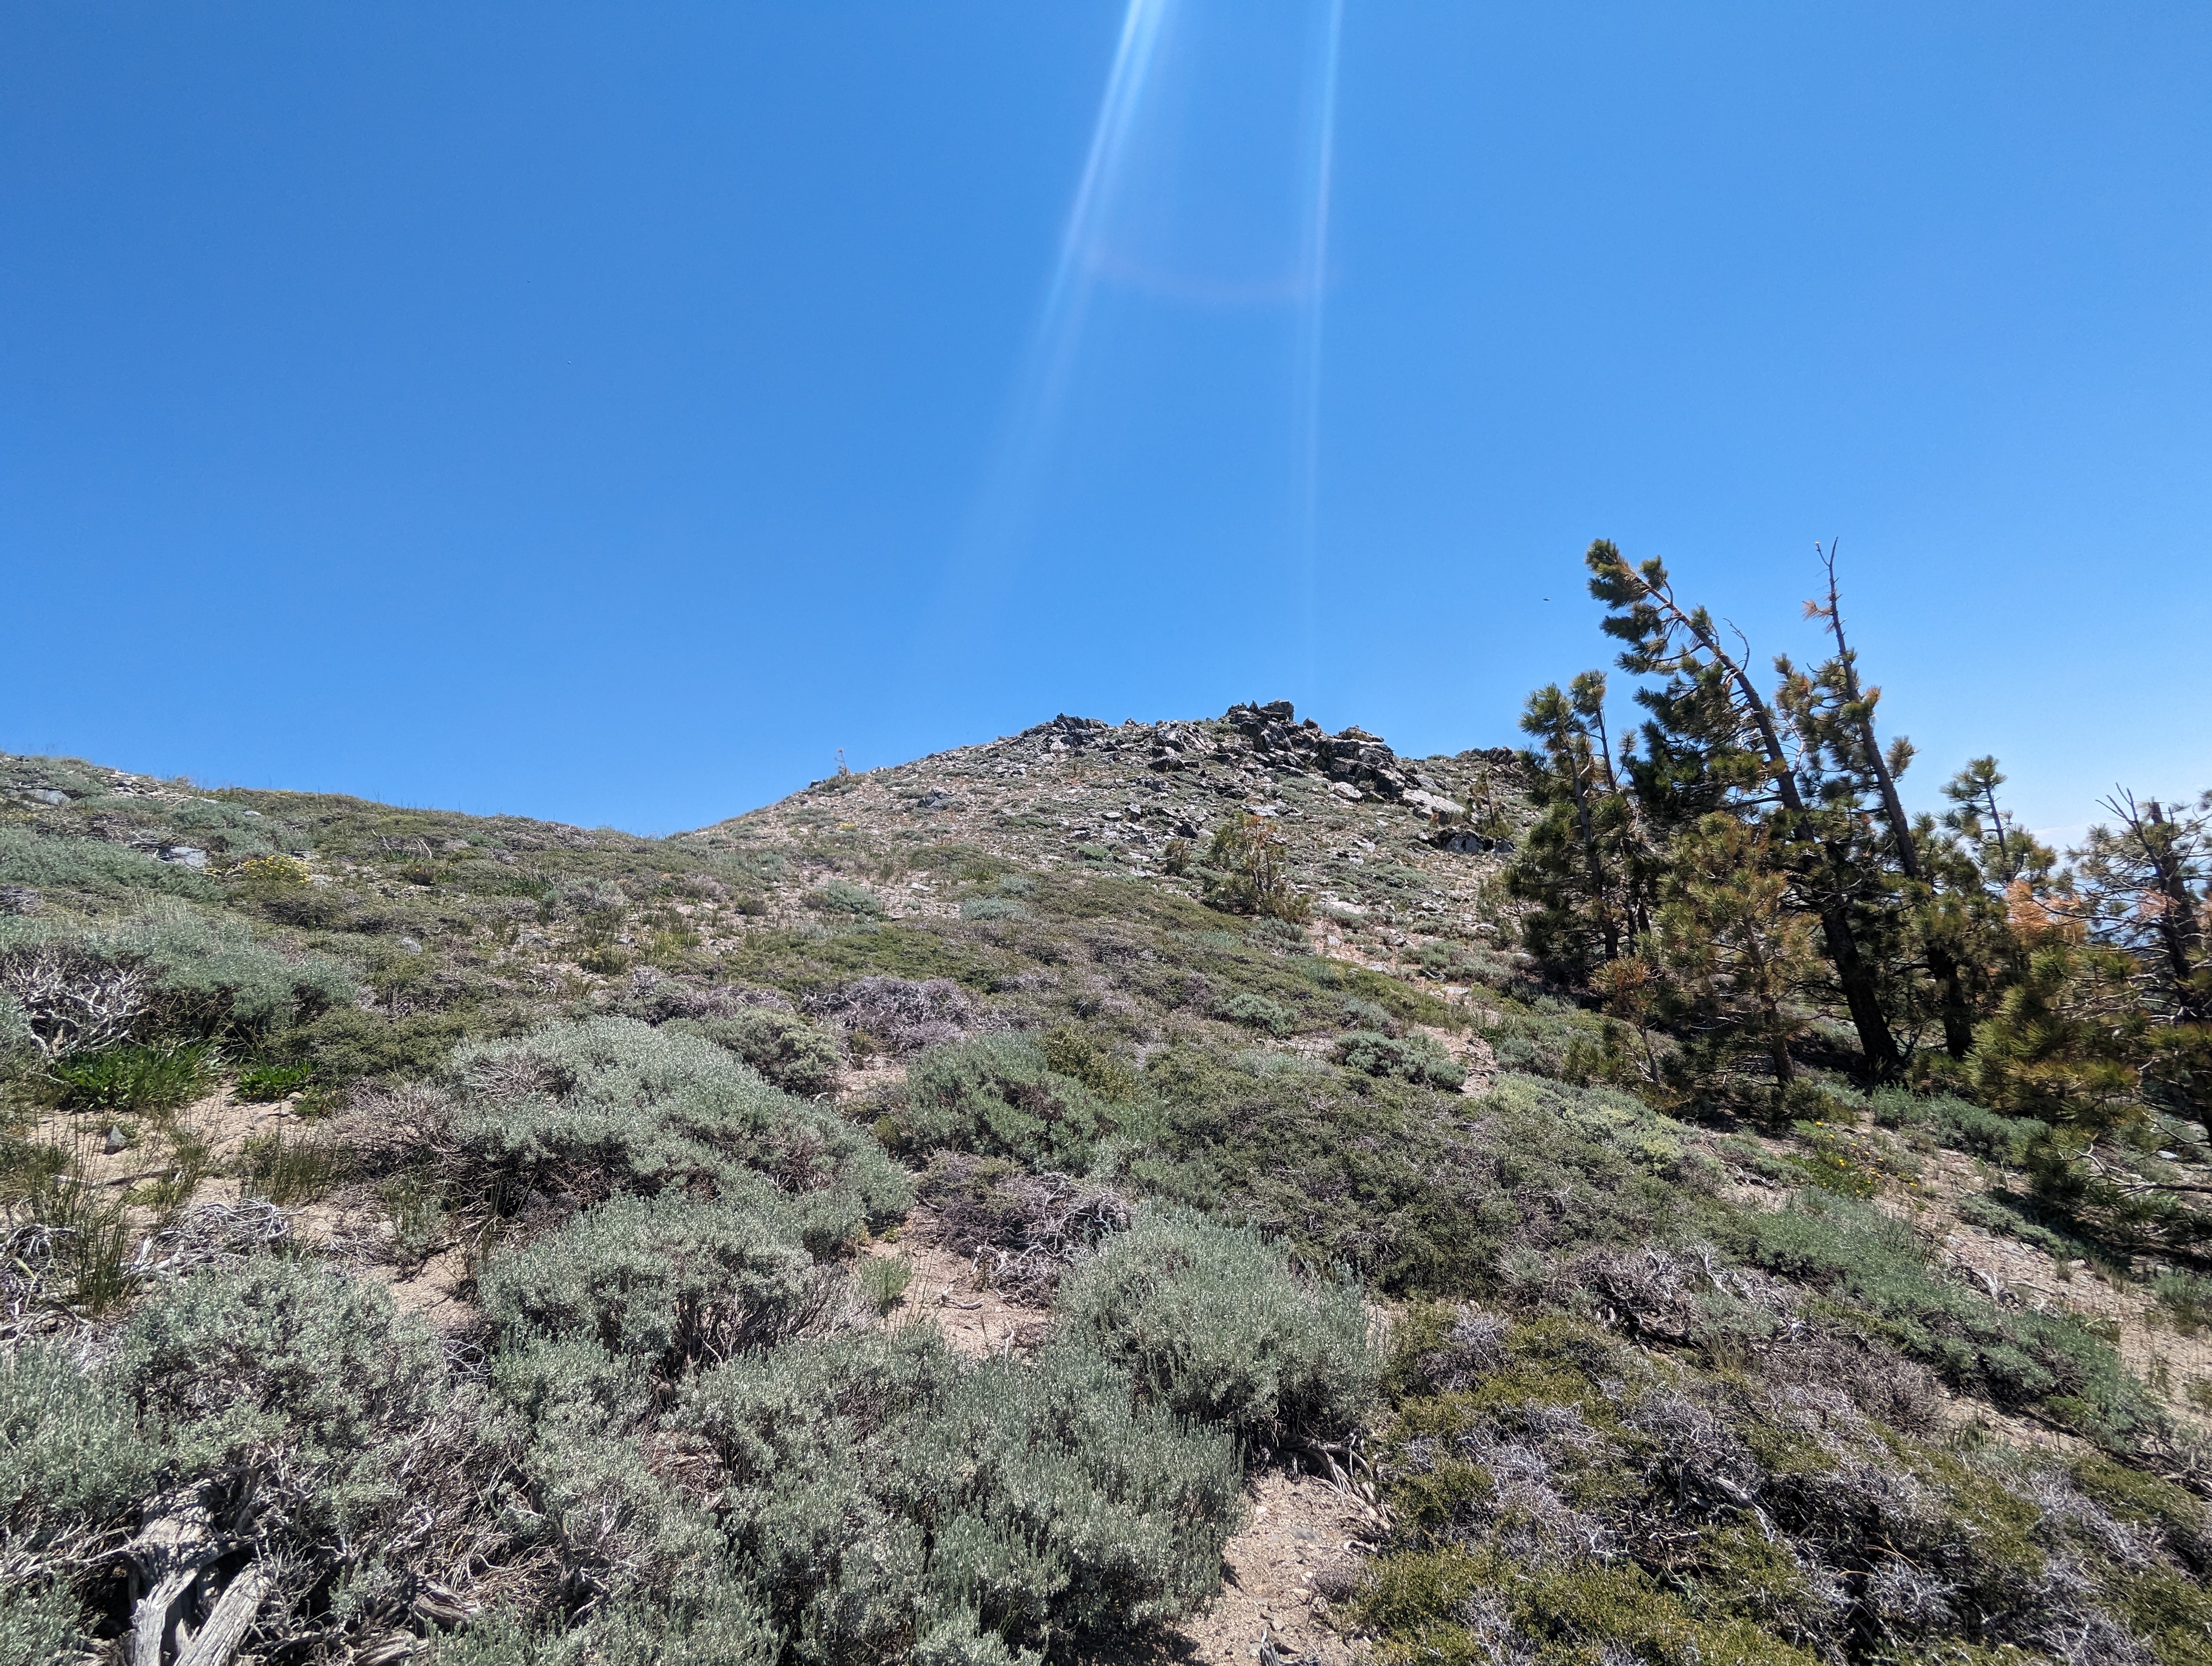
268	1083
134	1079
883	1279
287	1171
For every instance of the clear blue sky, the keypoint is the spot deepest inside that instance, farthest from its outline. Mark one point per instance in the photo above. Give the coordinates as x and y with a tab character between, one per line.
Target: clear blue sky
609	412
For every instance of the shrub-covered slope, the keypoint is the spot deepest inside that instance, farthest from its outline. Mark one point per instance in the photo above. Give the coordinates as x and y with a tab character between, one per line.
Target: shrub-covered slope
479	1240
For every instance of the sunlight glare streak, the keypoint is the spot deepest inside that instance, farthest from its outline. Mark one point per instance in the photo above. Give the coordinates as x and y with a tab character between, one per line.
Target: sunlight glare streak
1060	321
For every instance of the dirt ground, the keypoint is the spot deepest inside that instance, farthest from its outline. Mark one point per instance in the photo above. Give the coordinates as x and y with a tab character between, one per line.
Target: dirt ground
1303	1541
944	1293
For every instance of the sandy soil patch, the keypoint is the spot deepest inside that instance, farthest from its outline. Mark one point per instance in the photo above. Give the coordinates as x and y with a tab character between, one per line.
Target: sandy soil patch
944	1291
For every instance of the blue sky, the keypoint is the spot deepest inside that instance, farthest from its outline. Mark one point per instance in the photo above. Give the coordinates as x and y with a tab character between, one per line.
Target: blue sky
610	412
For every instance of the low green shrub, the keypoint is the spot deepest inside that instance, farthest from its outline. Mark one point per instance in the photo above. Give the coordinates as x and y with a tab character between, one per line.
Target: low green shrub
2015	1216
1213	1323
1257	1012
1414	1058
842	897
1074	1050
348	1044
1620	1122
1403	1183
1369	1015
1871	1264
2184	1300
1956	1122
1280	933
1537	1036
798	1057
886	1499
612	1105
663	1279
612	1523
997	1095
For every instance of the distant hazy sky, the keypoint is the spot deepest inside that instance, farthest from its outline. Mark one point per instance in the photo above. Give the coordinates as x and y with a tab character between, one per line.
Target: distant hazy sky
610	412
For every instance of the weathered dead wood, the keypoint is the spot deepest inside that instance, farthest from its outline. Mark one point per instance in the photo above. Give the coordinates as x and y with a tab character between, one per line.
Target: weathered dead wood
167	1556
217	1640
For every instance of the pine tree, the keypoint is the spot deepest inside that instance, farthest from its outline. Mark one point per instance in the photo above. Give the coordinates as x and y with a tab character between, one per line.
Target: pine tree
1714	743
2143	887
1836	713
1585	863
1738	955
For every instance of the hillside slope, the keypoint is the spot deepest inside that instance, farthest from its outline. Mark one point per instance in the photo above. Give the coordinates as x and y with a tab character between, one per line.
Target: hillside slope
970	1209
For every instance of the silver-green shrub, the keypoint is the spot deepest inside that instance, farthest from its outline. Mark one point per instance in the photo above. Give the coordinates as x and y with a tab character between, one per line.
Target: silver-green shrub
170	968
996	1096
610	1105
1414	1058
215	963
39	1626
299	1406
887	1499
94	867
1213	1322
284	1373
797	1056
660	1278
614	1528
68	1445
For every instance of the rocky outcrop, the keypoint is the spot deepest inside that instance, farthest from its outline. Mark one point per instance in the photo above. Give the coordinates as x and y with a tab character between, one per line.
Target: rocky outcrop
1352	757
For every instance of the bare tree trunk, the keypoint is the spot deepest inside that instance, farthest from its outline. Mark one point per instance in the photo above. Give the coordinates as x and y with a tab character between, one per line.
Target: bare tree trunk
1942	965
218	1639
1852	974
